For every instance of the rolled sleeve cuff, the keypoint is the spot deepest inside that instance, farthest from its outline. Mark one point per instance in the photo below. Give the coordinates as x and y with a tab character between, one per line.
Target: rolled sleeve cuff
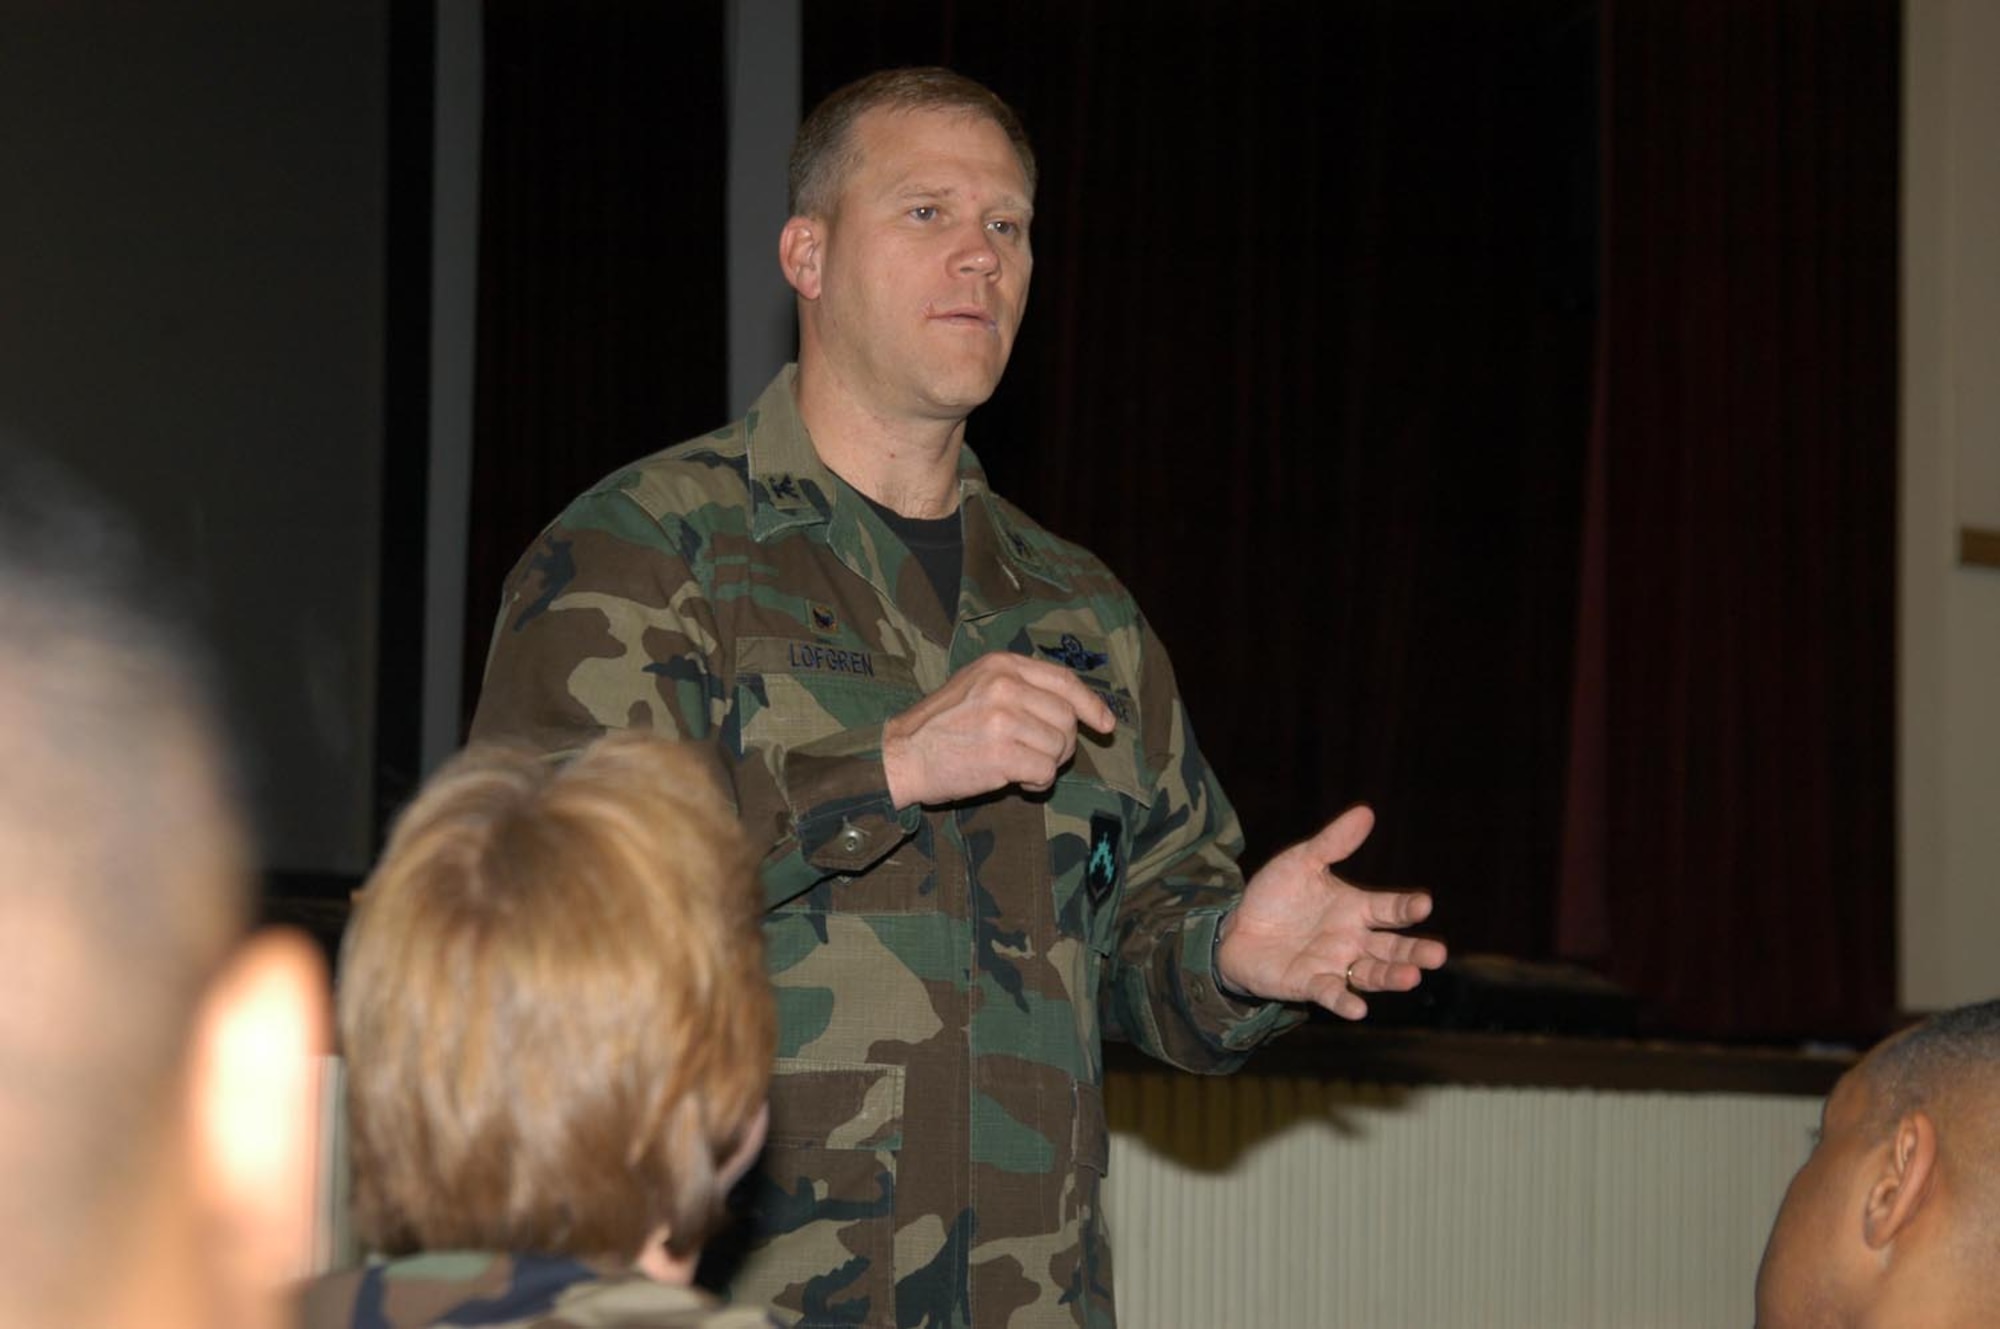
1234	1024
843	819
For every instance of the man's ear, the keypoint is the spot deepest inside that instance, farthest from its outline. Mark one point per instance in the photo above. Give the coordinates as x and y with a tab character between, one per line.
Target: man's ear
1900	1189
798	255
254	1109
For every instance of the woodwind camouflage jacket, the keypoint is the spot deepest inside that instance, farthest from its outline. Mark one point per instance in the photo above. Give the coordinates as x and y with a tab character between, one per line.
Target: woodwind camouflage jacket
945	976
474	1290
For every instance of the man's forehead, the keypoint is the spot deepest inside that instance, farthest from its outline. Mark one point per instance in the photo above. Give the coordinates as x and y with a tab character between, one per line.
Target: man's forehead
879	119
902	143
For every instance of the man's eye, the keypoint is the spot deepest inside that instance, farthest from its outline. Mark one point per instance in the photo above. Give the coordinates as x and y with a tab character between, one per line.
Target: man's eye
1001	226
924	213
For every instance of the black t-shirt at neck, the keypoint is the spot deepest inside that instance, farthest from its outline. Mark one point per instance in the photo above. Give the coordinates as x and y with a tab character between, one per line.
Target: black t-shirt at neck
939	546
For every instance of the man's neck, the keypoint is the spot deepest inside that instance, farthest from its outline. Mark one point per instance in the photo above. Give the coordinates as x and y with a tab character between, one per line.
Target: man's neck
908	465
1944	1293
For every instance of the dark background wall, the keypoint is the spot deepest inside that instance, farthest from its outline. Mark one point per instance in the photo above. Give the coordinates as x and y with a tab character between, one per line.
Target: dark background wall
193	313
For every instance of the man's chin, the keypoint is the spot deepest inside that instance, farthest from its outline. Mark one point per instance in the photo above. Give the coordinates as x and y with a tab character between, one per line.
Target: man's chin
962	393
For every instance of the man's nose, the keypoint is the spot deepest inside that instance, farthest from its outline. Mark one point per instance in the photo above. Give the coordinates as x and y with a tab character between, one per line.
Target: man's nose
978	254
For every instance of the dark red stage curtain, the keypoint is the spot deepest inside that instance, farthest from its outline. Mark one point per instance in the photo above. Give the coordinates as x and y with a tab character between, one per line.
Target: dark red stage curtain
1732	844
1308	362
601	260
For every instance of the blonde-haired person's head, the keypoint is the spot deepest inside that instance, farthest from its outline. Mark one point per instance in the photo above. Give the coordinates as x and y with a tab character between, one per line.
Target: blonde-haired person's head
553	1005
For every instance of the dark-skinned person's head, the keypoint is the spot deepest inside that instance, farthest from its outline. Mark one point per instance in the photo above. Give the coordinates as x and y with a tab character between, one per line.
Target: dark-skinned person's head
157	1081
1894	1220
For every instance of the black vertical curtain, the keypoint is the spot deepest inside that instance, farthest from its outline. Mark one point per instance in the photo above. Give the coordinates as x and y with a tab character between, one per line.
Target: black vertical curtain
1733	839
1491	405
601	327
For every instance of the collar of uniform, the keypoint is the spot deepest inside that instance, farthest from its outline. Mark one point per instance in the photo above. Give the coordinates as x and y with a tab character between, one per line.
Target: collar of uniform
790	487
1000	561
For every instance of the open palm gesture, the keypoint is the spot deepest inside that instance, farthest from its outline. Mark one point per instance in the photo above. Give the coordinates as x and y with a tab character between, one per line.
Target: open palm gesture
1303	934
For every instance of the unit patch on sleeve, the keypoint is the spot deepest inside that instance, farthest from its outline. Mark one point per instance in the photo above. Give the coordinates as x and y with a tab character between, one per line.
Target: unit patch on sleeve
1100	870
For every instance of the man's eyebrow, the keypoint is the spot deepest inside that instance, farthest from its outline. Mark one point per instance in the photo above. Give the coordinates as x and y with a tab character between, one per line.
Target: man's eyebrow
917	192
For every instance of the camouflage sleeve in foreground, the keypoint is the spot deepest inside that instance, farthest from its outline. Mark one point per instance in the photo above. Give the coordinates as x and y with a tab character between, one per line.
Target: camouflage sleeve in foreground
476	1290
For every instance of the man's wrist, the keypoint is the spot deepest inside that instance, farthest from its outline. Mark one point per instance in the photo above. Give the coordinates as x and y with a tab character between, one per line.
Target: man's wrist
895	764
1222	983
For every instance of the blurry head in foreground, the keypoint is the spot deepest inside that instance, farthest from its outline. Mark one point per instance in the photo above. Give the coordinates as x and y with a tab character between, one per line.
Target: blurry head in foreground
1895	1217
554	1011
156	1101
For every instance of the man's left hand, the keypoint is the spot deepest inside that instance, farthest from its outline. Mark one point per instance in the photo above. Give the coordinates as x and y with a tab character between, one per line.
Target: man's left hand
1303	934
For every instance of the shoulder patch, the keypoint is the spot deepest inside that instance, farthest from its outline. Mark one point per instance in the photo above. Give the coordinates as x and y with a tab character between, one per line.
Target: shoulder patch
1100	870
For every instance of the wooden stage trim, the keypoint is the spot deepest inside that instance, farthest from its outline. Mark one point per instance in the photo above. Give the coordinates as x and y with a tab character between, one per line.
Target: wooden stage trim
1324	1051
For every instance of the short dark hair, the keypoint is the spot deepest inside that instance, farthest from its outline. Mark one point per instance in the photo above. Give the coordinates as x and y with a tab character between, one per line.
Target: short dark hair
824	152
1915	1068
124	869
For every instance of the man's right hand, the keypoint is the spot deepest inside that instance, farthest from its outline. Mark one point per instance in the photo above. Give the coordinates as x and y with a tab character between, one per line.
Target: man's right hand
1002	720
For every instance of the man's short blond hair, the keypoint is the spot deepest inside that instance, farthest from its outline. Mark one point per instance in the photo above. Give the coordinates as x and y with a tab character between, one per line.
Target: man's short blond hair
553	1004
825	153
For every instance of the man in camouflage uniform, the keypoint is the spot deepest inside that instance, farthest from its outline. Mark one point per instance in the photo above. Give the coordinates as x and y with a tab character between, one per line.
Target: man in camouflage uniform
991	837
